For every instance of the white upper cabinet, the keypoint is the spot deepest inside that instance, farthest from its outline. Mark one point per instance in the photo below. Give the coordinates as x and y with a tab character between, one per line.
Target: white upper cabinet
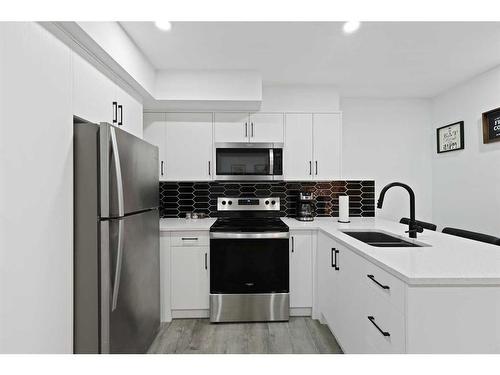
155	133
298	152
266	127
301	269
245	127
188	147
98	99
327	147
231	127
93	93
129	113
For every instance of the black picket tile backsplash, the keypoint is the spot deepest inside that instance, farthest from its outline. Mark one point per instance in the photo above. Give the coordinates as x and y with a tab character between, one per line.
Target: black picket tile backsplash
177	198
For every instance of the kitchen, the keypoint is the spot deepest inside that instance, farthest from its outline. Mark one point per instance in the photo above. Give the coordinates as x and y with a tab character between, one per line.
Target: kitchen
280	195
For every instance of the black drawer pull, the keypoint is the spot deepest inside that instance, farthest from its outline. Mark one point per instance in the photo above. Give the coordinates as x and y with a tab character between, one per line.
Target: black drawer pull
190	238
372	319
334	259
372	278
293	245
206	264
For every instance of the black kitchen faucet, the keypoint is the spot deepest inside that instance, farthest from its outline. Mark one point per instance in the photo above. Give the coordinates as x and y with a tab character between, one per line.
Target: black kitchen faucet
413	228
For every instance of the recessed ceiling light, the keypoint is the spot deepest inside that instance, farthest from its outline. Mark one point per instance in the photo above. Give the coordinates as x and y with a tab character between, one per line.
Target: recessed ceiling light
163	25
351	26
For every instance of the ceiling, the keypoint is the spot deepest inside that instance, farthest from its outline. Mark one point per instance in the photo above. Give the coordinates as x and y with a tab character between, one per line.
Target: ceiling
382	59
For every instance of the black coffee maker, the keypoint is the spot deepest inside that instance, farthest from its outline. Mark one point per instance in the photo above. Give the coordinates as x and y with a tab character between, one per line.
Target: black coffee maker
305	206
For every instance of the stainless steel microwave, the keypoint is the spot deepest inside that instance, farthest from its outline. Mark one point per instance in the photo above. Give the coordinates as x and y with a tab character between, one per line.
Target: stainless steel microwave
249	161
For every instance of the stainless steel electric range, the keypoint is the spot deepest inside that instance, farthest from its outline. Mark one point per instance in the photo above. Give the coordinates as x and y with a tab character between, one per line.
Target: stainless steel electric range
249	262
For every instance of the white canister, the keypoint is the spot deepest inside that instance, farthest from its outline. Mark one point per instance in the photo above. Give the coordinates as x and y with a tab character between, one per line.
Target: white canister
344	209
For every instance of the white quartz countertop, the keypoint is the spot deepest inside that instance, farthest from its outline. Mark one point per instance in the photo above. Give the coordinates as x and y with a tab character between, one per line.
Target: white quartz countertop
176	225
447	260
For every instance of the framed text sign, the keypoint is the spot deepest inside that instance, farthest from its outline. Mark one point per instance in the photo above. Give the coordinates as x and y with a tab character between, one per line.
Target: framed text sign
491	126
450	137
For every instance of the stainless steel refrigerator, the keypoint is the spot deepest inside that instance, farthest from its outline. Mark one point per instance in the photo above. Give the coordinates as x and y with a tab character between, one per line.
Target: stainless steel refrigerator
116	240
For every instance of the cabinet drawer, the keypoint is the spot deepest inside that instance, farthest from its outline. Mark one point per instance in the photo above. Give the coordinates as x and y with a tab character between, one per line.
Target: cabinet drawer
189	239
384	327
381	284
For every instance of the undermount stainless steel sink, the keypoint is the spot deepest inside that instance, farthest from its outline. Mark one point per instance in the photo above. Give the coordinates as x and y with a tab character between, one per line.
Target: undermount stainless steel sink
380	239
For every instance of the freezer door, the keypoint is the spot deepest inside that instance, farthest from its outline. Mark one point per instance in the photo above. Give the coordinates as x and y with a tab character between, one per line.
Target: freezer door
130	288
133	186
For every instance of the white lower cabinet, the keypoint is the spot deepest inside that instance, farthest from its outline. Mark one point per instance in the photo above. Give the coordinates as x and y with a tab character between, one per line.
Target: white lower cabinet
301	269
189	270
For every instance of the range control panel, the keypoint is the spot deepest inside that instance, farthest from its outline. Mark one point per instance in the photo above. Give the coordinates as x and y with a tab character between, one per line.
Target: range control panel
248	204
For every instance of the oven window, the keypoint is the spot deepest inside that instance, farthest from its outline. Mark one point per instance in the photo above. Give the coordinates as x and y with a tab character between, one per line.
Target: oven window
237	161
242	266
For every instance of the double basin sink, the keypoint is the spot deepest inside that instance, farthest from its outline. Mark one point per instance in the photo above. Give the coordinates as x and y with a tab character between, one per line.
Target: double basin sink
380	239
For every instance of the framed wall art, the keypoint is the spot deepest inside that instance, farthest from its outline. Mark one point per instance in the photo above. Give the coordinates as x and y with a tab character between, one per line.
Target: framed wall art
491	126
450	137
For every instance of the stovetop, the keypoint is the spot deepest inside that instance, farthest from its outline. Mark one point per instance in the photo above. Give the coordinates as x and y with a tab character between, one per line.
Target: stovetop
249	225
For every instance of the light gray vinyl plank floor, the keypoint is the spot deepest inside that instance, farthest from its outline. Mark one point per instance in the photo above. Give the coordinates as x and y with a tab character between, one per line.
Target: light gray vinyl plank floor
301	335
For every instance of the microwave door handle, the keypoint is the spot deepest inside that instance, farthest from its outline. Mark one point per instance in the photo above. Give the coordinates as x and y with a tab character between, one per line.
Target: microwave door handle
271	161
121	212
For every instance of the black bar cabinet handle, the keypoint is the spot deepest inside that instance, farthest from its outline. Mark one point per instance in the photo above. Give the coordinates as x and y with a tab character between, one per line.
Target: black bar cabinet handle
115	112
162	167
372	278
246	129
120	107
334	258
209	168
316	163
336	262
190	238
252	129
293	245
206	266
310	168
372	320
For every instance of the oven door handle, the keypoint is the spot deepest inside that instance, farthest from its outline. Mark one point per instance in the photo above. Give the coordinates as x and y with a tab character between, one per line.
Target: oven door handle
255	236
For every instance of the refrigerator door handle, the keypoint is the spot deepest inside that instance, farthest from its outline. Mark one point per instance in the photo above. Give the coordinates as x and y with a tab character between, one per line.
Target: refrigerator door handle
121	212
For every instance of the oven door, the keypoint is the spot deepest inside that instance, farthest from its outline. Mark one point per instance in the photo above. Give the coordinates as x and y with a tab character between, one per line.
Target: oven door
248	161
249	265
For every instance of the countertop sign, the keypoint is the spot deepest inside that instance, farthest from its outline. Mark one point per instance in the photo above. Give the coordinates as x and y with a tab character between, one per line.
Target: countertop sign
450	137
491	126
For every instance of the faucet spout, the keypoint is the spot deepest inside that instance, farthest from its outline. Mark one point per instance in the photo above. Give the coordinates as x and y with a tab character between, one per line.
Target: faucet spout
413	227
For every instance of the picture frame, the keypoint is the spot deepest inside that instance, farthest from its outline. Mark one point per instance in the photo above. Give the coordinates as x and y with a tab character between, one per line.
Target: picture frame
491	126
450	137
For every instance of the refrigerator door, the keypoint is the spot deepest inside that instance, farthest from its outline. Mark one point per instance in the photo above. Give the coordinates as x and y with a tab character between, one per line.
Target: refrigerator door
130	284
128	173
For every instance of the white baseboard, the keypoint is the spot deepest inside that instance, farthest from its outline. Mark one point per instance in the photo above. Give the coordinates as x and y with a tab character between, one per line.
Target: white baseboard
300	311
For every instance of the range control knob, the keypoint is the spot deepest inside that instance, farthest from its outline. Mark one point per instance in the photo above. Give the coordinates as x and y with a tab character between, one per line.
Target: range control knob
230	202
273	202
266	202
223	203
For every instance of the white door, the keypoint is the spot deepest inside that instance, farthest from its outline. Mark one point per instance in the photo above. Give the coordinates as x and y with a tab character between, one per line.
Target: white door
328	280
301	269
231	127
189	278
155	133
130	113
266	127
327	146
93	92
298	152
188	147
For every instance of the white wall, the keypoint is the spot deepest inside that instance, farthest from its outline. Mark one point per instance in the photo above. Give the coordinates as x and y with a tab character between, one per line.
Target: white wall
466	183
390	140
36	191
295	98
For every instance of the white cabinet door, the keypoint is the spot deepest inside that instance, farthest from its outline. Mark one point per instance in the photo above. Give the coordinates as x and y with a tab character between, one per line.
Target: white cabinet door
266	127
93	92
155	133
188	147
327	146
301	269
129	113
327	279
298	152
189	278
231	127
